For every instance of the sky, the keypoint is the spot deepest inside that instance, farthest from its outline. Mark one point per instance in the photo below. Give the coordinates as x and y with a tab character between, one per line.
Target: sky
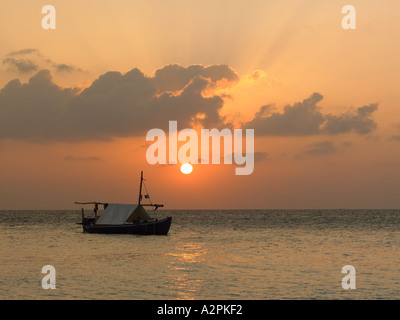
77	101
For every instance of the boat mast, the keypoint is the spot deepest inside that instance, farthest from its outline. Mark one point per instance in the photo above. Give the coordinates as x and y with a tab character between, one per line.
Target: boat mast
140	189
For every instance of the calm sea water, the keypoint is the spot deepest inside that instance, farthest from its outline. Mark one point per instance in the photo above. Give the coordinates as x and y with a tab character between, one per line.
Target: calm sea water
211	254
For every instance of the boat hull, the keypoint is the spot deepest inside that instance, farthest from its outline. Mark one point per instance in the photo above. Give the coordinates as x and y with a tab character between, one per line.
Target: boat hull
157	227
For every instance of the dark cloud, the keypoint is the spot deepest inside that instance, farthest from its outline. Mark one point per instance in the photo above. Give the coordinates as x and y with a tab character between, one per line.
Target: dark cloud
320	148
36	61
258	157
305	118
62	67
361	121
34	110
23	66
23	52
396	135
175	77
114	105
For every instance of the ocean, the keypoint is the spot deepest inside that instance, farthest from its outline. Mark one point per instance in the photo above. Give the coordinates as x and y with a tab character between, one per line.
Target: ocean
208	254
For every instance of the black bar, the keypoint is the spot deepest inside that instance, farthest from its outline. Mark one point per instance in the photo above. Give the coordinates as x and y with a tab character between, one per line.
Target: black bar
204	309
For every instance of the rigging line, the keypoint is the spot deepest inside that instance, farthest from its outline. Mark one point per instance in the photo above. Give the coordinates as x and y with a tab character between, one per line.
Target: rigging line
147	192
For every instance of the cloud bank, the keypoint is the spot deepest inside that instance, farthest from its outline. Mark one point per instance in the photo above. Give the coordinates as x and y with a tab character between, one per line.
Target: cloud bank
130	104
114	105
305	119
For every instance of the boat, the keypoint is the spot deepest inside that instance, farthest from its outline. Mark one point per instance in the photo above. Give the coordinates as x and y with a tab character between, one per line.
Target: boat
117	218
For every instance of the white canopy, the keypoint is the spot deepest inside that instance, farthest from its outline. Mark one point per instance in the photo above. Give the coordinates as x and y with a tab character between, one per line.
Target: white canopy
116	213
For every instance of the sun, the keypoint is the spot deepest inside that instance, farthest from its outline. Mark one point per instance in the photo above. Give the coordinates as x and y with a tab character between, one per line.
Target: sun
186	168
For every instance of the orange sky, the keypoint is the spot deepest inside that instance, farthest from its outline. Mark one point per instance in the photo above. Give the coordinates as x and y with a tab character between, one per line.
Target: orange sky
281	52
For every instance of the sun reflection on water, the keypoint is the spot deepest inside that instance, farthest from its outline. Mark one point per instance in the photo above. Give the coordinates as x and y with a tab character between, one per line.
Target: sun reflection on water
185	264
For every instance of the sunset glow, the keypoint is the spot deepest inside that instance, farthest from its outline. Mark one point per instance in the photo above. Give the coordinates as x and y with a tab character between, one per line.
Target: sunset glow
76	102
200	150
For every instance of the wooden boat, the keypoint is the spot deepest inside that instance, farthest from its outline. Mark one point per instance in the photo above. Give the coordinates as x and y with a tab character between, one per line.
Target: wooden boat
125	218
